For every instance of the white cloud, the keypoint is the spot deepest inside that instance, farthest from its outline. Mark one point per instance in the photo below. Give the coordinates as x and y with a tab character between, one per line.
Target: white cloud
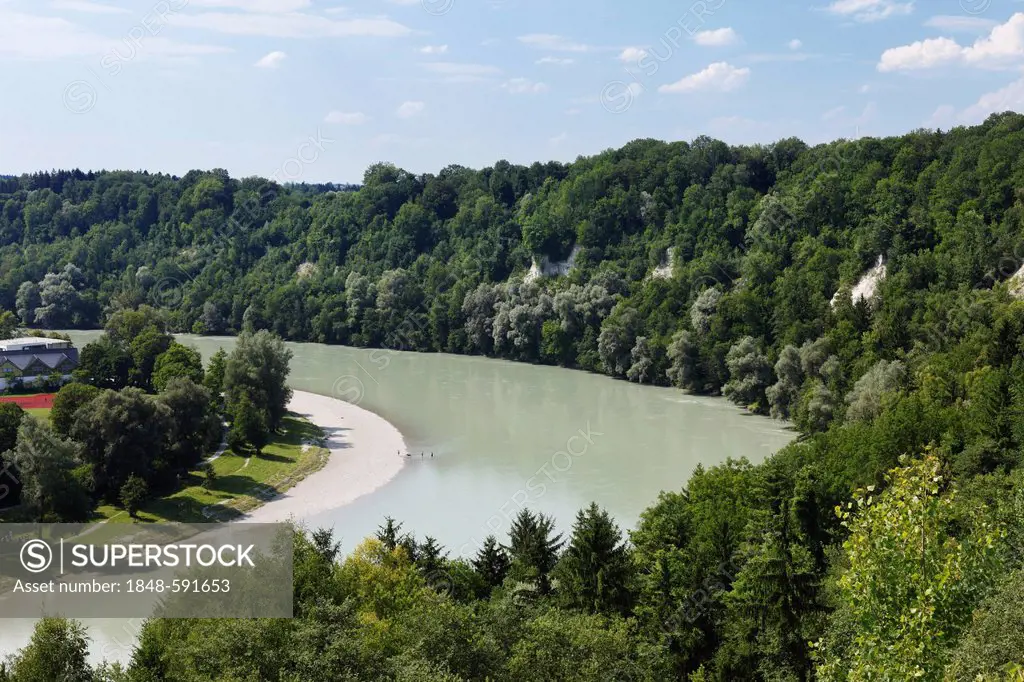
257	6
559	61
290	25
870	10
718	37
573	111
272	60
434	49
864	89
46	38
558	139
1002	47
410	109
632	55
720	76
960	23
524	86
87	7
553	43
1009	98
352	118
795	44
924	54
943	117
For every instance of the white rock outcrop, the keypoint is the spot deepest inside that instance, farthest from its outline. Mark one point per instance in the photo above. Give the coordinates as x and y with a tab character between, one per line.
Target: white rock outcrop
668	263
547	268
867	286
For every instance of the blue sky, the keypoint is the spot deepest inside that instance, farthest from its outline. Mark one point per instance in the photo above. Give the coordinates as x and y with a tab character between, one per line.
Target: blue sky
317	90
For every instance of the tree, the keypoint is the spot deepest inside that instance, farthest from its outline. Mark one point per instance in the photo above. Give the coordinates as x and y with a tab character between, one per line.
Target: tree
11	415
127	324
145	348
133	493
209	475
784	394
995	639
177	361
910	588
249	424
104	363
865	399
214	379
27	301
58	651
123	434
195	425
258	369
595	572
46	465
749	375
492	562
8	324
533	548
67	402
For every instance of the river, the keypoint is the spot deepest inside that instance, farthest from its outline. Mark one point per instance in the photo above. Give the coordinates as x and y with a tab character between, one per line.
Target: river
502	434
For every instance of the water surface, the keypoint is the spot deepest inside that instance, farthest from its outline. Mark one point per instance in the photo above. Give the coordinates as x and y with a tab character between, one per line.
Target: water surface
504	435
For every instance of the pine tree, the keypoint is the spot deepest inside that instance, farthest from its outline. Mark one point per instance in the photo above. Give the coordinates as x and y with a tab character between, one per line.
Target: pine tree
594	572
492	562
534	549
390	533
430	556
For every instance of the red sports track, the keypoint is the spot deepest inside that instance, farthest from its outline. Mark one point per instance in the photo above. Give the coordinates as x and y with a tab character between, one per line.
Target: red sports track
28	402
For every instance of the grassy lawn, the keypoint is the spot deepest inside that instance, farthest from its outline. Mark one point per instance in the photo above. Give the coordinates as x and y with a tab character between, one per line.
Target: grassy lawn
243	481
39	412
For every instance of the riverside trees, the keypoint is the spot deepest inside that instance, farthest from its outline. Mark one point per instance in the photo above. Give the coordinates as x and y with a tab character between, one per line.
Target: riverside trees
116	442
740	568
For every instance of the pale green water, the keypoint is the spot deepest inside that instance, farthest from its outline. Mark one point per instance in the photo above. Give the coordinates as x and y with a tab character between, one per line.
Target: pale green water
505	434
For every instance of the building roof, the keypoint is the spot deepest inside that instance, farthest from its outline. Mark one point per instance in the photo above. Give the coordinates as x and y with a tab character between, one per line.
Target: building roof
52	360
33	341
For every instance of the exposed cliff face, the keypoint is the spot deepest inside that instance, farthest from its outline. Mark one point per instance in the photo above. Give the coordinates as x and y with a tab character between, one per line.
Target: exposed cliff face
668	263
1016	283
547	268
867	286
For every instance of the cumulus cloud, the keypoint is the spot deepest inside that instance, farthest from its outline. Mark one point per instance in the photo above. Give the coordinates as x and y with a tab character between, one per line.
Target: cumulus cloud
795	44
718	37
719	77
434	49
1003	47
410	109
870	10
632	55
272	60
1008	98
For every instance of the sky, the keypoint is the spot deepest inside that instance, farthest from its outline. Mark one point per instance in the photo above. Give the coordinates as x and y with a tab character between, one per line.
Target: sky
316	91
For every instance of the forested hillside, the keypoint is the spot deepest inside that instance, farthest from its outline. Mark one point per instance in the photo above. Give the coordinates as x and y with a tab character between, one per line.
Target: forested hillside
883	544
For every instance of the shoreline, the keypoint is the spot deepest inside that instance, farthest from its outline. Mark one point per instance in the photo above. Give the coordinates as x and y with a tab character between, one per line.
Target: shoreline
360	444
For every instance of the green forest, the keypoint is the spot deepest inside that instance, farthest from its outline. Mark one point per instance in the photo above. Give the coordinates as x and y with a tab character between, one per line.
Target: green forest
865	290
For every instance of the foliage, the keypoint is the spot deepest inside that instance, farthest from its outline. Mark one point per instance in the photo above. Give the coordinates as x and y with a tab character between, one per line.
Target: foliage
910	588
